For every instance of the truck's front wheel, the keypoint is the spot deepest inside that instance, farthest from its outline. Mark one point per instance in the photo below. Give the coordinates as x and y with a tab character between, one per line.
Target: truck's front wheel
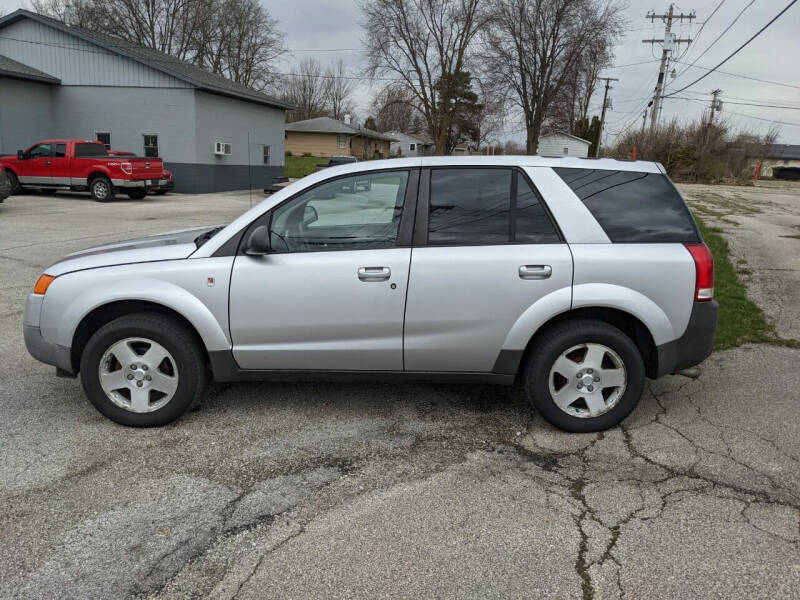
13	181
101	189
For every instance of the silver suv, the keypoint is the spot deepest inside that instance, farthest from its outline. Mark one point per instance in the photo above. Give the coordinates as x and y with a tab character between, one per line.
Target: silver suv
581	277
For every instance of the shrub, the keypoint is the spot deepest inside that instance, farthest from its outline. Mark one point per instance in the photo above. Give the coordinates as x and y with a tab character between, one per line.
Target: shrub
306	154
696	152
288	153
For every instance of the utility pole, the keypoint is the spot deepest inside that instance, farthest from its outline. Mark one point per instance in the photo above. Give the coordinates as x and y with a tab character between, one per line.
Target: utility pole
644	119
668	44
608	81
716	105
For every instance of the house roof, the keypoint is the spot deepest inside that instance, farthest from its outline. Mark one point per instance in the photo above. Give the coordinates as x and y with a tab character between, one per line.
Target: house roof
180	69
782	151
569	135
421	138
12	68
330	125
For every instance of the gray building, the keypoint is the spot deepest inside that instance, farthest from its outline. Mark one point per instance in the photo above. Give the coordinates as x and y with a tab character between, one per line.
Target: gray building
61	81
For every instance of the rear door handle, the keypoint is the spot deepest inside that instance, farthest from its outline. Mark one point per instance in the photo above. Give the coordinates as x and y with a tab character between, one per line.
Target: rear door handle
535	271
374	273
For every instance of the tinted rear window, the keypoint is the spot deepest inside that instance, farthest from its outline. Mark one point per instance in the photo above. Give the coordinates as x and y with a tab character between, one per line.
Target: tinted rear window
478	207
632	206
83	150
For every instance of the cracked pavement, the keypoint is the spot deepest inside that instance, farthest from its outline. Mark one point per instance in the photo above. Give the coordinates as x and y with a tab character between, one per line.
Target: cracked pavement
383	490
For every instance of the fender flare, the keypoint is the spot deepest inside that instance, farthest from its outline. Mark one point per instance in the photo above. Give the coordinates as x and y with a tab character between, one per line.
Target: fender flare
536	315
159	292
606	295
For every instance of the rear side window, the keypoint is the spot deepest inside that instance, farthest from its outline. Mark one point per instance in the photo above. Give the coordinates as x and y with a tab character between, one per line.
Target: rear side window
85	150
632	206
485	207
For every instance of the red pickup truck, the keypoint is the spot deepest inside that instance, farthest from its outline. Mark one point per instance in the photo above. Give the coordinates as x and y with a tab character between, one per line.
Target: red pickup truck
82	165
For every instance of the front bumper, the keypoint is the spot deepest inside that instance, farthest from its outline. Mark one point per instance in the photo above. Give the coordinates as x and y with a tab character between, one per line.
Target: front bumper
696	343
47	352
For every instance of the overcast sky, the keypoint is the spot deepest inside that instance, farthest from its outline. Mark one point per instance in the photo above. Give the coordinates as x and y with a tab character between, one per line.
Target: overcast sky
329	30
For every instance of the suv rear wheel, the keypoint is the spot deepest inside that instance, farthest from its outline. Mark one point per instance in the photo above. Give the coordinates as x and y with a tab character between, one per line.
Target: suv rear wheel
584	375
143	370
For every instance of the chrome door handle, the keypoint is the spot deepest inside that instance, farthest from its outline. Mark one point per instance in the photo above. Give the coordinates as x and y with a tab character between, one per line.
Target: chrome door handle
374	273
535	271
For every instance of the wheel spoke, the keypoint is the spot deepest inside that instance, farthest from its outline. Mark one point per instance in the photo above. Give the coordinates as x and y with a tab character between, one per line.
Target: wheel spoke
154	356
140	399
566	367
612	378
124	353
594	356
596	403
165	384
113	380
566	396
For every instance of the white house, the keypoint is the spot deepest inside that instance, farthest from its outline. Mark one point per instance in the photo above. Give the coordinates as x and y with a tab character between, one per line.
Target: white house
559	143
407	144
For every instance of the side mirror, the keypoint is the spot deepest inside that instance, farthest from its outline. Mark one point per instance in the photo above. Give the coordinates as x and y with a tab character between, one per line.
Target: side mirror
258	242
310	215
21	155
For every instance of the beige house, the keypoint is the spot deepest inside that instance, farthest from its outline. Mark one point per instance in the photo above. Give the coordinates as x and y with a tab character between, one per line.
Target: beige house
325	136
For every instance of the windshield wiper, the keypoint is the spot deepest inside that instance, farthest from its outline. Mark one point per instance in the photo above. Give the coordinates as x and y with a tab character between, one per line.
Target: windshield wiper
203	238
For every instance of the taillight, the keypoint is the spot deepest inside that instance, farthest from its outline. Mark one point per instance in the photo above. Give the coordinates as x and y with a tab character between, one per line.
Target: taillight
126	167
704	271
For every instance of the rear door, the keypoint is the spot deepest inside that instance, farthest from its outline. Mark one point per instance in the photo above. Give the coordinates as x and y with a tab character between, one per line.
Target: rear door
485	251
331	294
59	165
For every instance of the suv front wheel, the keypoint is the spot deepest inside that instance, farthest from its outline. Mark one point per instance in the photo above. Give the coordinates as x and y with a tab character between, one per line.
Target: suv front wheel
584	375
143	370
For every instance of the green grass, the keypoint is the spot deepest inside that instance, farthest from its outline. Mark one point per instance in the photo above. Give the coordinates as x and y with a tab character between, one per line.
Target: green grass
300	166
740	319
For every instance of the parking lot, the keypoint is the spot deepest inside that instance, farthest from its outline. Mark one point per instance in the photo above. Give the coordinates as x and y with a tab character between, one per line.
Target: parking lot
386	490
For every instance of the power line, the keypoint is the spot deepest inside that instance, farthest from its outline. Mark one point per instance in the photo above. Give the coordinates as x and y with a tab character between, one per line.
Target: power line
789	85
735	52
711	45
743	103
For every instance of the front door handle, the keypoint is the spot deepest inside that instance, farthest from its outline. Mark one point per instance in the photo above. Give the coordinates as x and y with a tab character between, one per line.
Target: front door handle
535	271
47	163
374	273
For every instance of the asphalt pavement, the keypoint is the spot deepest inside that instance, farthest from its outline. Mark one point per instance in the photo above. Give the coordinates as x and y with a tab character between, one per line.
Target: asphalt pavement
312	490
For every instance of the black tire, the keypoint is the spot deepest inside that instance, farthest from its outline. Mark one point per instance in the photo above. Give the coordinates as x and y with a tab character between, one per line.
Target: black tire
13	181
101	189
175	337
136	194
558	340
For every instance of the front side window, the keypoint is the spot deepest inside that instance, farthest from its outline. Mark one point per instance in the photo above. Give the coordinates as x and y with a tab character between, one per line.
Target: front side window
632	206
341	140
105	138
479	207
353	213
266	155
40	150
151	146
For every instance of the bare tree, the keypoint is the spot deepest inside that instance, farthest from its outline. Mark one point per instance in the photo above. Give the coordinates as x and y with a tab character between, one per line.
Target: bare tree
533	47
424	43
339	91
394	109
306	88
237	39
